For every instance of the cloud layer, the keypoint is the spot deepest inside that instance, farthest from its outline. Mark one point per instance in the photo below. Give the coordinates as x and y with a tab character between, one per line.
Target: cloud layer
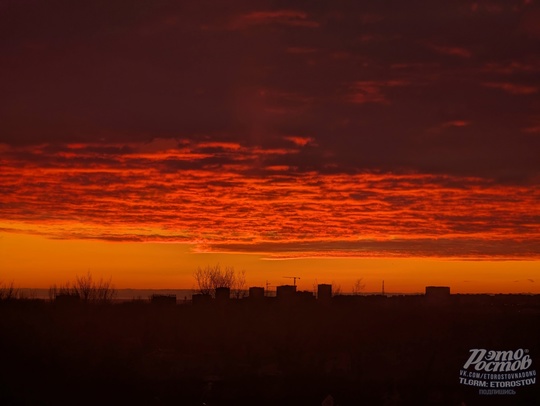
229	197
290	128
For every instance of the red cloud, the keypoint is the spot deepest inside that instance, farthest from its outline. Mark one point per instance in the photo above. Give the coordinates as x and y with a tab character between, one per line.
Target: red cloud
217	201
299	141
512	88
373	91
452	51
456	123
293	18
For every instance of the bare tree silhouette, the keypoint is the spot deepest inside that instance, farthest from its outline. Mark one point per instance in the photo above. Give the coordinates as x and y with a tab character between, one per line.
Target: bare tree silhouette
239	285
87	289
8	291
358	286
210	278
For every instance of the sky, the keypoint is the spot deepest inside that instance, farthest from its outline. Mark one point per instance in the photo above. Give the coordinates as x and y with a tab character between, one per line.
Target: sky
386	140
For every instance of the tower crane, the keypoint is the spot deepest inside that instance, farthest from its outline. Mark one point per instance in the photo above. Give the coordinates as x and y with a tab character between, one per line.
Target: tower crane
267	290
294	278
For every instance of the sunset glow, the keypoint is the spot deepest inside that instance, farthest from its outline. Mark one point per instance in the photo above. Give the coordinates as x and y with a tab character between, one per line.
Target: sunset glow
332	144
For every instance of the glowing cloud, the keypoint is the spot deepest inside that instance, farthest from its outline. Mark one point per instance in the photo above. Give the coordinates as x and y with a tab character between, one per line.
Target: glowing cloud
208	194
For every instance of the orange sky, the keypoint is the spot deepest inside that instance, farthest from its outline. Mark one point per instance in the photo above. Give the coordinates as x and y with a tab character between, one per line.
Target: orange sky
38	262
70	211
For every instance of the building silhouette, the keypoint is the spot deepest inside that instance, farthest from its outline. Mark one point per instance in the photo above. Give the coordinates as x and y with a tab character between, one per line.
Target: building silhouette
437	295
256	293
223	295
201	299
324	293
163	300
285	293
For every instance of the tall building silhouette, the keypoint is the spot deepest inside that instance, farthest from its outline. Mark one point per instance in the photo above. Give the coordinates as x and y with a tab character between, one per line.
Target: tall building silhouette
324	293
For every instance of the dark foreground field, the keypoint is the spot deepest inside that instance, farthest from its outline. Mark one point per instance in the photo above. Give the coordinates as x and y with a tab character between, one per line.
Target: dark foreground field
389	353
